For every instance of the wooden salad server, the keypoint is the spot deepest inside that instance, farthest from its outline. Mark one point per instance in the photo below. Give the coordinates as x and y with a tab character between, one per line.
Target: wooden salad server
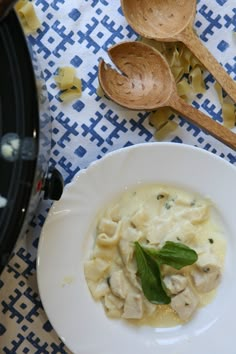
172	21
144	81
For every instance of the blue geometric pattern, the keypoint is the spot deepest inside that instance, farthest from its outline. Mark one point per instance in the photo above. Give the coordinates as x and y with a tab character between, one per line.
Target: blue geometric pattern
78	33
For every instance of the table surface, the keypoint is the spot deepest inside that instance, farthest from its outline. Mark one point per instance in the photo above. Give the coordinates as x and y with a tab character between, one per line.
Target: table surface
78	33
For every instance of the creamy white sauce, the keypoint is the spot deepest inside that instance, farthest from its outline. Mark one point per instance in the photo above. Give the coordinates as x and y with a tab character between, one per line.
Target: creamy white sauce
151	214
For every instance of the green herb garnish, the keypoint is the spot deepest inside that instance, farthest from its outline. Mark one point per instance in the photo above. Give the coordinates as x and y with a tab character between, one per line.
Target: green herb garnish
149	260
149	272
174	254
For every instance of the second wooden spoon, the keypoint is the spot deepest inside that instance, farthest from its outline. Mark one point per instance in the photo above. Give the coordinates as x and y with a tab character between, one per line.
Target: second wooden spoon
172	20
145	82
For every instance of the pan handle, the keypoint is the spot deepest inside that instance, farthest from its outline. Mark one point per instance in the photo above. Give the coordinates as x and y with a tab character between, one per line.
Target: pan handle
5	7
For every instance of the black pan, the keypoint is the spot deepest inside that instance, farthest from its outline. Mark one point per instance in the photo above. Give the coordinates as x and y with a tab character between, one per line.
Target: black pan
25	135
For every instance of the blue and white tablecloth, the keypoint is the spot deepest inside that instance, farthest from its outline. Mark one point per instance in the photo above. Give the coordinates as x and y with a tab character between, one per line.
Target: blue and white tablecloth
77	33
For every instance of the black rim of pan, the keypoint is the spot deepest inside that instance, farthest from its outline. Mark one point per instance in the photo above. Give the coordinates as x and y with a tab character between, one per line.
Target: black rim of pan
18	117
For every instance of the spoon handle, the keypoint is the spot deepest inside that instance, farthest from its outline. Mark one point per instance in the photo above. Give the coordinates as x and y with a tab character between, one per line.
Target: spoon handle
204	122
189	38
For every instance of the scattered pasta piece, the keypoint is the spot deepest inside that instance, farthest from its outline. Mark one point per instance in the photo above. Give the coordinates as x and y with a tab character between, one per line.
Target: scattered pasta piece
228	112
100	91
20	4
68	83
196	79
27	16
177	72
184	88
160	117
69	95
166	129
228	108
65	78
219	92
77	83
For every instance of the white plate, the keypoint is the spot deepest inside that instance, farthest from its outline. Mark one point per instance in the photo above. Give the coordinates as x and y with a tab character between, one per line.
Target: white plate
65	243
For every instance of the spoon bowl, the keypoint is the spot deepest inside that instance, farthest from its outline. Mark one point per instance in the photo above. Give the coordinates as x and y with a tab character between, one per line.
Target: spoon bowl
162	19
140	84
143	80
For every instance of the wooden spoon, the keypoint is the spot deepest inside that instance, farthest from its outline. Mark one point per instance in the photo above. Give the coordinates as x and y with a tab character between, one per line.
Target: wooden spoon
171	21
145	82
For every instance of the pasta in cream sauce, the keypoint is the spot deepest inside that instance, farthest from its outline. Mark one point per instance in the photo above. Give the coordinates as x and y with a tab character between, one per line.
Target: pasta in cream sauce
152	215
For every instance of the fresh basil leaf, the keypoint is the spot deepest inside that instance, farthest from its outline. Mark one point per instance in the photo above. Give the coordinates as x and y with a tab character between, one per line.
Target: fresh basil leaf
174	254
150	276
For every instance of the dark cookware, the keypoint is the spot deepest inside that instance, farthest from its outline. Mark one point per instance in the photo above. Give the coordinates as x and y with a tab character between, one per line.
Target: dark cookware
25	134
